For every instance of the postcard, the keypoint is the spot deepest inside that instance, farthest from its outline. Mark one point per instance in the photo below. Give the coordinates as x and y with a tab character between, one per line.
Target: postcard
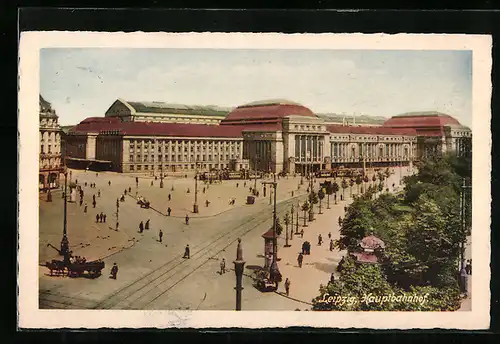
223	180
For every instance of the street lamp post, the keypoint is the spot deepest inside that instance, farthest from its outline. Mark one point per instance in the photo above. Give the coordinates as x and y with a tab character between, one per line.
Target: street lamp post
117	213
161	176
287	222
274	270
291	223
64	241
195	205
239	264
256	161
297	219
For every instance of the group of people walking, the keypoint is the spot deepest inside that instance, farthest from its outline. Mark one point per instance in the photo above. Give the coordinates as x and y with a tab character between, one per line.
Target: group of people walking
100	218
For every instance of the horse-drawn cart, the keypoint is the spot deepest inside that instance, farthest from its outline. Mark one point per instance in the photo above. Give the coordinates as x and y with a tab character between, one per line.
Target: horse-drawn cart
89	269
73	267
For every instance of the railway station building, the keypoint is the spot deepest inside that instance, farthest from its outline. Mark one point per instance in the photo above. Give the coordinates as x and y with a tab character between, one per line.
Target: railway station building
273	135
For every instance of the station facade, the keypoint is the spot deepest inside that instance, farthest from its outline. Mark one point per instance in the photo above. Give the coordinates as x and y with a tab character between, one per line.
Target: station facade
274	135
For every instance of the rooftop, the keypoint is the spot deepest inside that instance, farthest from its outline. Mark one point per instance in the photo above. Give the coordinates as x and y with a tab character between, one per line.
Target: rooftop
423	119
96	125
46	108
268	111
351	129
170	108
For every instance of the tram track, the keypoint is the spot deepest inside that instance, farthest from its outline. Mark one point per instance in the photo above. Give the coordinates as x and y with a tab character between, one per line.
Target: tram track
148	288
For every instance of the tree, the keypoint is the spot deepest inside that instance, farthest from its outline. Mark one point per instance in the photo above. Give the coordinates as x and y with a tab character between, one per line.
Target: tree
305	209
359	180
321	195
279	227
354	284
329	191
344	186
366	180
335	190
287	221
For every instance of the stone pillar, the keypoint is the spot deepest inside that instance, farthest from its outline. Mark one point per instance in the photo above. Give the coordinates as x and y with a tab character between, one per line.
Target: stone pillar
91	146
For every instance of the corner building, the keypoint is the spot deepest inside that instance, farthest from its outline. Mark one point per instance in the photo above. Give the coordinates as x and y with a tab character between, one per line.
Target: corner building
50	147
274	135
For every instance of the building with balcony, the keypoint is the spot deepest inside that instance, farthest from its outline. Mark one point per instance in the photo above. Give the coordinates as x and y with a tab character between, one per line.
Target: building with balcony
50	147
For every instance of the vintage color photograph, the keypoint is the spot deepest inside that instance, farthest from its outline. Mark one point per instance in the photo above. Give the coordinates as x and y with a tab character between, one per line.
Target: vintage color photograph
211	179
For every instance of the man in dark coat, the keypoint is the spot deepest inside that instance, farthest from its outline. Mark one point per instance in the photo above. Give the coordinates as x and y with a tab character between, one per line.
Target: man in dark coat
300	259
141	227
114	271
161	235
104	218
169	211
147	224
186	252
97	218
187	219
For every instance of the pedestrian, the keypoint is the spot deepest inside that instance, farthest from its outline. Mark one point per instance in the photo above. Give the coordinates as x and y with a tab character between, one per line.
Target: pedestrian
97	218
345	209
109	183
300	258
340	221
97	174
207	203
203	189
161	235
129	189
302	233
125	192
186	252
244	184
169	197
320	240
151	183
237	184
341	197
169	211
331	245
187	219
81	201
223	266
94	203
76	181
114	271
147	225
287	287
85	208
104	218
93	198
332	278
101	217
85	184
141	227
329	235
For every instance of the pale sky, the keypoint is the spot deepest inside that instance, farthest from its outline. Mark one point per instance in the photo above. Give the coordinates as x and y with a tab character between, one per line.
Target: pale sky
83	83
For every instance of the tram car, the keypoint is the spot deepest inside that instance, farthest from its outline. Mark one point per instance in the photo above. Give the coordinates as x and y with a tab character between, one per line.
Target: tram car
232	175
325	174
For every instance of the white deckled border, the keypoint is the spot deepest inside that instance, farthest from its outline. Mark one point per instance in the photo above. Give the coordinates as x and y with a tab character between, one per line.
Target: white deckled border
31	317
